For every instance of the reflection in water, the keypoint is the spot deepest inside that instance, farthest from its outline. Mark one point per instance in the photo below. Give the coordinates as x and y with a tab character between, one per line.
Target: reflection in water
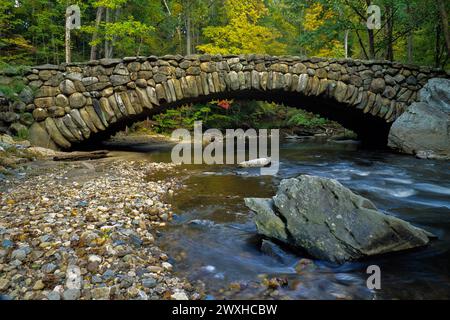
221	246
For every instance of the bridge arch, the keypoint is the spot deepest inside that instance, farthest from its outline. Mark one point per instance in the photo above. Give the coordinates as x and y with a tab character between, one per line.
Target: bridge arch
79	103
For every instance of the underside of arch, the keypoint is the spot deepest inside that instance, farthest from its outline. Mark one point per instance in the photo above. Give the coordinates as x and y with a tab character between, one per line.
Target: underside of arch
372	130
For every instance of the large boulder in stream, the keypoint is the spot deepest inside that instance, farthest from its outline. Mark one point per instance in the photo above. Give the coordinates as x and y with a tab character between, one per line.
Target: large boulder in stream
330	222
424	128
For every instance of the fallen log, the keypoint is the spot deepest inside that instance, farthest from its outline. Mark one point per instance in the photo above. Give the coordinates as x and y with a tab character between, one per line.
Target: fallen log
81	155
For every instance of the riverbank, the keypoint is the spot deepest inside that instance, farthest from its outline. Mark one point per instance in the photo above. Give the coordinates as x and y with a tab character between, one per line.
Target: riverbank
99	218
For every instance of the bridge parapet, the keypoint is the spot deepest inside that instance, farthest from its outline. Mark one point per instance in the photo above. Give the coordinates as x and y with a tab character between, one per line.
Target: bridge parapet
73	102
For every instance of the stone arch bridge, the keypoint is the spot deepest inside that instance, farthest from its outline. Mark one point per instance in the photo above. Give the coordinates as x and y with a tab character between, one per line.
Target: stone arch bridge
78	103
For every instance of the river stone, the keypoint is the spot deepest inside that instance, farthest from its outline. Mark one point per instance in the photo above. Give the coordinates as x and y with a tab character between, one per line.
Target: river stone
273	250
61	100
87	120
77	100
19	254
424	128
56	111
377	85
331	222
26	119
53	296
421	128
267	221
44	102
94	118
118	80
16	128
40	114
38	136
71	294
64	130
47	91
19	106
26	95
101	293
67	87
73	128
55	134
437	94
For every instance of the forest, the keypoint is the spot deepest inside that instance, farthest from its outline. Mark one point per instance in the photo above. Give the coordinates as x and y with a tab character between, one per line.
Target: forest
320	169
32	32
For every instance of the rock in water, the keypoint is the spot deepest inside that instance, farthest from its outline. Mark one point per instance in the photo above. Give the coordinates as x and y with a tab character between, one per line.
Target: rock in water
331	222
424	128
255	163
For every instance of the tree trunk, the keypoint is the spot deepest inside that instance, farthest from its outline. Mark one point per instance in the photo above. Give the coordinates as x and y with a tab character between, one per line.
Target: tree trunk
437	49
188	33
389	30
81	155
410	36
98	19
361	44
346	43
108	42
67	44
444	22
371	44
180	40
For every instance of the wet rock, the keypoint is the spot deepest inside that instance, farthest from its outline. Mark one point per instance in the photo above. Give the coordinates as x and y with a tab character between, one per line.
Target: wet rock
256	163
424	128
273	250
266	220
202	223
330	222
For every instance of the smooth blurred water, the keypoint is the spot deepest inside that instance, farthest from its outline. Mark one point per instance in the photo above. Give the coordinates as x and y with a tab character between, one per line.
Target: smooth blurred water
226	249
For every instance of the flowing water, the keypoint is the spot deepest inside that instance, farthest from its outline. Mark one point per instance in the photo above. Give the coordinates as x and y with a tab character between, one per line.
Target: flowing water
212	237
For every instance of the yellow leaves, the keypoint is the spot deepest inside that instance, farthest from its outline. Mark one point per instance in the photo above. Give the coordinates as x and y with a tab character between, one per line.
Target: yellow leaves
111	4
242	34
316	16
10	202
251	10
334	50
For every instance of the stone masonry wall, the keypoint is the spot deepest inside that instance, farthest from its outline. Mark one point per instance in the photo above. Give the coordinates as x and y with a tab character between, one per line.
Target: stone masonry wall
71	103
